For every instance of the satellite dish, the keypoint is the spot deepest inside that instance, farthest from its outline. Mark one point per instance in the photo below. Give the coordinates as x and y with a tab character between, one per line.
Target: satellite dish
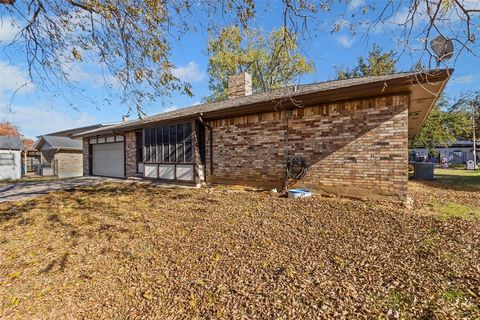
442	47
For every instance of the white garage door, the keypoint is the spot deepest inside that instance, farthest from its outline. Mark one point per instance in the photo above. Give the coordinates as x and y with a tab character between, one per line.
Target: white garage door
108	160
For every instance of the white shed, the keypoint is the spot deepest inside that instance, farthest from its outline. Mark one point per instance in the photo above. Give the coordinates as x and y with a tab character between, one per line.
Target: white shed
10	157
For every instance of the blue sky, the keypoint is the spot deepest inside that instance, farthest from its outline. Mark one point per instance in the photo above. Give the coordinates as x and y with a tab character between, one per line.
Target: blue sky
37	111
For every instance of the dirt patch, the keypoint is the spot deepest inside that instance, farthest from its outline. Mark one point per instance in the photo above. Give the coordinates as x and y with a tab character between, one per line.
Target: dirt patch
138	251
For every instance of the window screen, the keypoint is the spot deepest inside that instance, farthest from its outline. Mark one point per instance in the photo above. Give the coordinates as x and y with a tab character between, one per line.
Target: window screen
169	143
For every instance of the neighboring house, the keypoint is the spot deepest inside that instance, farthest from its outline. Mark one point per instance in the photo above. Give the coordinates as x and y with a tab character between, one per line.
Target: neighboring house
457	152
10	157
62	154
352	136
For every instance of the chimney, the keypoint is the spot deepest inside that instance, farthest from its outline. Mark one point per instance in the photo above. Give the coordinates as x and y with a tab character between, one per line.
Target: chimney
125	118
239	85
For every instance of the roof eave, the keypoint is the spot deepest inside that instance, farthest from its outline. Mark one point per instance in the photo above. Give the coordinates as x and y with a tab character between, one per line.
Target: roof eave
356	91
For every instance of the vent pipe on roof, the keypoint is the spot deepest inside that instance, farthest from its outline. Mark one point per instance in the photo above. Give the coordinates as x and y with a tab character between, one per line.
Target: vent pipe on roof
239	85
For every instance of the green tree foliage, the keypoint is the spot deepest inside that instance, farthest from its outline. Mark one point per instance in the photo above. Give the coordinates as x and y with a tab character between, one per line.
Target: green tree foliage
466	103
376	64
273	60
443	126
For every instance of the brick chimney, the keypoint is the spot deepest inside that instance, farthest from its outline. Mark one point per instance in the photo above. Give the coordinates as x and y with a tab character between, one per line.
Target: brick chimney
239	85
125	118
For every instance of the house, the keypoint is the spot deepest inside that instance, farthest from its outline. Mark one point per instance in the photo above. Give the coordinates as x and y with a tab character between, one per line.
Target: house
346	137
10	157
456	152
60	154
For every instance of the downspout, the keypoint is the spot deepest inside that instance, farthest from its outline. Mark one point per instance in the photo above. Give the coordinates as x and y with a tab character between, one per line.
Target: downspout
210	142
285	180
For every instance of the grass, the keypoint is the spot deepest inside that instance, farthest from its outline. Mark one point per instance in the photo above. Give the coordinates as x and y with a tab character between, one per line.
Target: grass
140	251
458	178
456	210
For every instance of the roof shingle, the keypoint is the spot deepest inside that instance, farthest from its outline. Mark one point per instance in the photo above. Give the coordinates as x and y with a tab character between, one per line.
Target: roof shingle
11	143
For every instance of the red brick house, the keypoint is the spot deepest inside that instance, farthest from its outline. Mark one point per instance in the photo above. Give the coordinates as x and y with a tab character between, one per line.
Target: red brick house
352	136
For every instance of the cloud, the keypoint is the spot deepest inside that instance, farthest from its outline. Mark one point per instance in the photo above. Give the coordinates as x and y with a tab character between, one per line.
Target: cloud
189	73
172	108
8	30
89	75
41	119
13	78
344	41
354	4
468	78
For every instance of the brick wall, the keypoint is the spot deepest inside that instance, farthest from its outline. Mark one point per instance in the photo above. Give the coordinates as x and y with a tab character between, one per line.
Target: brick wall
248	148
355	148
130	155
86	157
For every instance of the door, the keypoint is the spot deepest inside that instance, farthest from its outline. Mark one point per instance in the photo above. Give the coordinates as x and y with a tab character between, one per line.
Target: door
108	160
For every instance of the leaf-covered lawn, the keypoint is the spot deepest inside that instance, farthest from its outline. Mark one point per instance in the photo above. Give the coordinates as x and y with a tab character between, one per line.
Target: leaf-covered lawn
139	251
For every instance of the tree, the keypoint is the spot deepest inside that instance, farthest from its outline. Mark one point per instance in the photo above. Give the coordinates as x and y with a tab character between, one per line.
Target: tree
376	64
28	143
465	103
273	60
8	129
132	39
442	126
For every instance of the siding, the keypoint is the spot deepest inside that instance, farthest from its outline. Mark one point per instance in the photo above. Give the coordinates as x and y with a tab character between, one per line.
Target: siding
68	164
10	170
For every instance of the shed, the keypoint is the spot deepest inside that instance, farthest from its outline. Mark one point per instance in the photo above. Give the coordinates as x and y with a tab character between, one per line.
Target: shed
10	157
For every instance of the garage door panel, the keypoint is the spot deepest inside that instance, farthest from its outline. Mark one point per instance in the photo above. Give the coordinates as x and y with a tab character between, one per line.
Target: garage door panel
108	160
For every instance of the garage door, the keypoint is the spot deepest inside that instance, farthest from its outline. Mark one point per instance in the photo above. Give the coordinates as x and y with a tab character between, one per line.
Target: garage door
108	160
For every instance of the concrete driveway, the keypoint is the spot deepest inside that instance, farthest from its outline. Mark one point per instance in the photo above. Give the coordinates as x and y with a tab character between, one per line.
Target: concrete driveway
31	189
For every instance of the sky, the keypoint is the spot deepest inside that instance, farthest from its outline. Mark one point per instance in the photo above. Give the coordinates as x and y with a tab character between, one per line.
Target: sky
37	111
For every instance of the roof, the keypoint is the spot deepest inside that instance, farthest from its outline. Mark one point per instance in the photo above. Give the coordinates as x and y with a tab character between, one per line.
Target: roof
11	143
431	84
56	142
70	132
456	144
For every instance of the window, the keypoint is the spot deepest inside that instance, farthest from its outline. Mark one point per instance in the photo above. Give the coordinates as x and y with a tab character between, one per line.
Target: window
165	143
169	143
159	145
458	156
153	140
180	142
7	159
173	151
188	142
146	133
